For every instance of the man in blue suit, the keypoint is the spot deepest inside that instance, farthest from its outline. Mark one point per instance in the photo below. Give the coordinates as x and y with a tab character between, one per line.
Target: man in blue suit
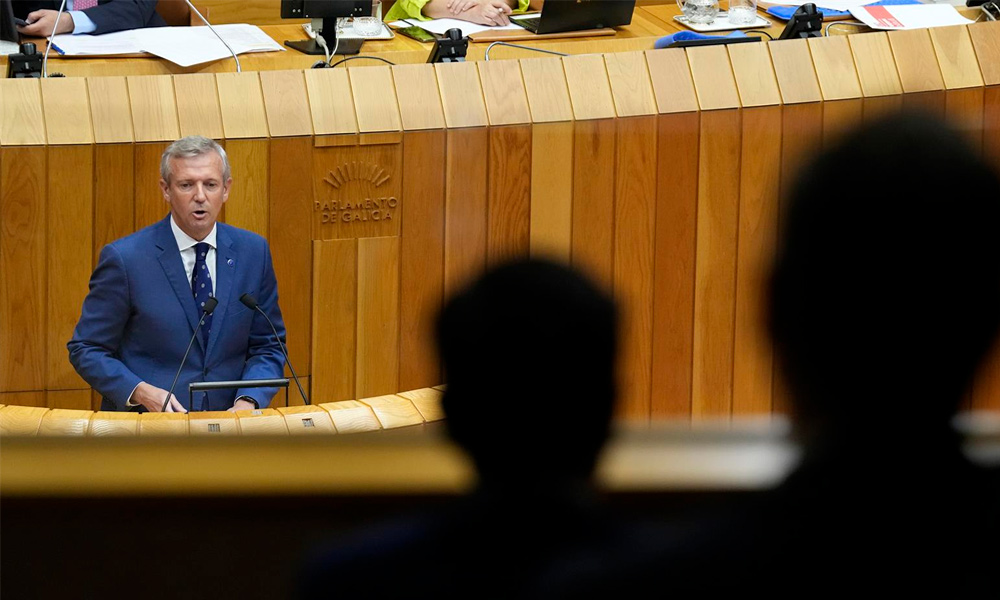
86	16
148	291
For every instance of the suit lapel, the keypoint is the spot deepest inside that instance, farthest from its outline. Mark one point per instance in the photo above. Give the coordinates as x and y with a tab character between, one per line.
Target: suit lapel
173	267
227	265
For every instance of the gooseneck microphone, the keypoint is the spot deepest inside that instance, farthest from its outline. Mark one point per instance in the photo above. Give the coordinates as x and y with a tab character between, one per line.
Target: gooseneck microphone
210	305
251	303
226	44
48	46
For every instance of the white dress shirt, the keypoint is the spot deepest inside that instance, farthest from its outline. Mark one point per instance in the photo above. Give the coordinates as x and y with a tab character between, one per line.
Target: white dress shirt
186	244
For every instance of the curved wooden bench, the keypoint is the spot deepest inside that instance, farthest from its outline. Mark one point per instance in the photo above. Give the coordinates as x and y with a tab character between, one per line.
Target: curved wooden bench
405	409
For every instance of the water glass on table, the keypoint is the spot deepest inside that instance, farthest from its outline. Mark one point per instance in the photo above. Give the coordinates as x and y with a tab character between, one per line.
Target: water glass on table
370	26
742	12
699	11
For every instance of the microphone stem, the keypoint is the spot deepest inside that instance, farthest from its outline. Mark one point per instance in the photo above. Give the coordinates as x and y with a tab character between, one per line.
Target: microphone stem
205	21
170	393
48	46
285	354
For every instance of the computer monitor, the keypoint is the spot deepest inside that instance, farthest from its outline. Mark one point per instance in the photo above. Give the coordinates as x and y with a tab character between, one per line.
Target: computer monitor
324	14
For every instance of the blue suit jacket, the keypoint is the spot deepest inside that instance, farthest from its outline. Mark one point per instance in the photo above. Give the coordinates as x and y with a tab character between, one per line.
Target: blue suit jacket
140	314
108	15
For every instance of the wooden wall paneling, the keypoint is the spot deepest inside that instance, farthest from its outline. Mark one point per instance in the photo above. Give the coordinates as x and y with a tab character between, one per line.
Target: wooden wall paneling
508	193
753	367
545	86
394	411
929	102
956	57
589	87
986	41
465	205
23	220
108	424
593	244
427	401
670	76
330	101
247	206
378	317
295	397
713	77
351	416
23	413
421	256
835	70
198	111
22	122
841	117
65	422
991	126
878	107
673	282
375	99
916	61
68	399
150	206
715	268
503	91
67	110
265	421
290	215
418	85
334	320
110	110
551	231
631	87
286	103
795	71
213	423
114	186
754	75
634	230
242	103
69	227
163	424
876	66
964	109
356	189
461	94
154	109
307	420
801	138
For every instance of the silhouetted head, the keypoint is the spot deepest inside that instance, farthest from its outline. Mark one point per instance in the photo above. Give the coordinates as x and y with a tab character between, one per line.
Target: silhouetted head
886	291
528	352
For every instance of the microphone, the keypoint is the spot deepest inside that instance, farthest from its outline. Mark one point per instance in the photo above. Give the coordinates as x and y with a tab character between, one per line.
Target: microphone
251	303
48	46
210	305
205	21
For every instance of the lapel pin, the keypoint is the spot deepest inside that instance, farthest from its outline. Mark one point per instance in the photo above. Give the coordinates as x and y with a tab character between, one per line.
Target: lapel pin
231	262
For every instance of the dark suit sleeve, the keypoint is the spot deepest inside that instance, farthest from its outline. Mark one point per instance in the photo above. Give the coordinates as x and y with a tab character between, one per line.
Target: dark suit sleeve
98	334
264	357
118	15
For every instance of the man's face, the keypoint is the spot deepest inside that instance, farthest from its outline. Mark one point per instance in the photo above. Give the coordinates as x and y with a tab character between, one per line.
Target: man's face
196	192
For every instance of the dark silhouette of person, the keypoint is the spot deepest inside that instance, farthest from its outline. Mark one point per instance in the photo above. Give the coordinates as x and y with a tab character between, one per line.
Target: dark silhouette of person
528	351
884	301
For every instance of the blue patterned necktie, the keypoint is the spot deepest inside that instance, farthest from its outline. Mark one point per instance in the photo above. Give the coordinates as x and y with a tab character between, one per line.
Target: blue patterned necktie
201	285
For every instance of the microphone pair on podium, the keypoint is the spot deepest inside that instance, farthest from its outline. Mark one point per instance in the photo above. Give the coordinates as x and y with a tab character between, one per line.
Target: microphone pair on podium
251	303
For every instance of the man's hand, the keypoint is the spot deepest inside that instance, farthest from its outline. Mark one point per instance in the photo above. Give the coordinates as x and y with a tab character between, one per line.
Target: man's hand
242	405
152	397
40	24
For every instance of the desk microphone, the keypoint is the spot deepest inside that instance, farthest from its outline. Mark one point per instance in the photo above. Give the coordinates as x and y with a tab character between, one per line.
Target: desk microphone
210	305
205	21
48	46
251	303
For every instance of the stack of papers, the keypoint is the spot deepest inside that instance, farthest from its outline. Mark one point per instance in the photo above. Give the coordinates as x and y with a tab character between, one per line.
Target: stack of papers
184	46
912	16
439	26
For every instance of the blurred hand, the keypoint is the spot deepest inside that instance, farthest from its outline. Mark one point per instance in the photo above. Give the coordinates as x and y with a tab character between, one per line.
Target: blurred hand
152	397
488	12
40	24
242	405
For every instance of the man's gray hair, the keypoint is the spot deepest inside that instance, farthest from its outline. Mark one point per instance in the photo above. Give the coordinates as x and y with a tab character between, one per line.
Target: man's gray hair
192	145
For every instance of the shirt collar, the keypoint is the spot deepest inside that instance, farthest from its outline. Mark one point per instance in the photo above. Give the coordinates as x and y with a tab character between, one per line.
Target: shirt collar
184	241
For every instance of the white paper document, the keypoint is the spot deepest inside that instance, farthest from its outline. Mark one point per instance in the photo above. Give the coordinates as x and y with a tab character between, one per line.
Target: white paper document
909	16
439	26
843	5
184	46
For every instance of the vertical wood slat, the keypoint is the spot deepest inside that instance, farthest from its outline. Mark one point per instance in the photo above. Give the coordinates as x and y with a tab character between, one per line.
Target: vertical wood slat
670	76
986	41
964	108
875	64
22	122
154	109
334	318
378	317
67	110
753	367
508	193
23	218
674	262
465	207
504	93
330	101
198	111
835	70
150	205
631	88
70	399
794	69
110	110
840	117
242	103
461	95
421	257
286	103
551	231
422	107
290	213
545	86
247	206
956	57
915	60
375	99
754	74
594	150
114	186
713	78
69	229
634	230
715	270
589	87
